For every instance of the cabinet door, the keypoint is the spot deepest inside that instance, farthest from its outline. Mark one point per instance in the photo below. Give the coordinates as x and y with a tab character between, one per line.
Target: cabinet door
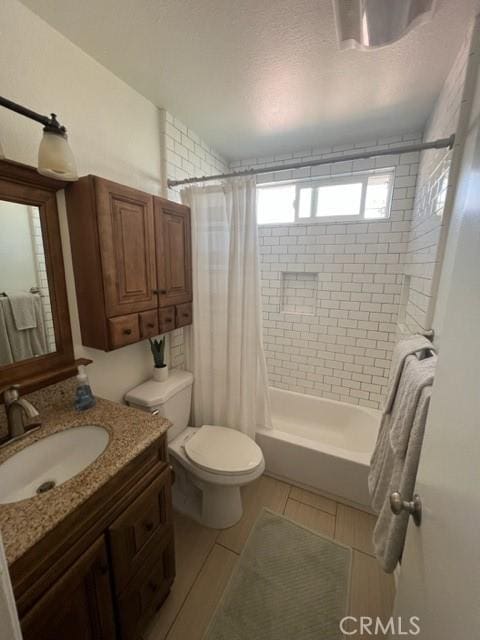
174	252
135	534
147	591
127	244
78	606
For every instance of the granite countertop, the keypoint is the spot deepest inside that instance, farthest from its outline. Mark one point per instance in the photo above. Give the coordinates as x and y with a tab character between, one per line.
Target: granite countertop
24	523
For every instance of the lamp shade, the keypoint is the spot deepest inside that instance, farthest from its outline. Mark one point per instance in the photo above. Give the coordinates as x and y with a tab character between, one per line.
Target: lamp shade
55	158
370	24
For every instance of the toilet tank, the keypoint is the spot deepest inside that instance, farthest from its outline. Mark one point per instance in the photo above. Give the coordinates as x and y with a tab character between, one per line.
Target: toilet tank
171	399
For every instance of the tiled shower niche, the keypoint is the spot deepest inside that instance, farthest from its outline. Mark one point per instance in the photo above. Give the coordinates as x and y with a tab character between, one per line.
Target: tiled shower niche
298	292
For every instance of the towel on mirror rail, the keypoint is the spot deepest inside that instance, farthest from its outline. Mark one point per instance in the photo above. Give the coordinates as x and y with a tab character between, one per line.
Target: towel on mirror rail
22	304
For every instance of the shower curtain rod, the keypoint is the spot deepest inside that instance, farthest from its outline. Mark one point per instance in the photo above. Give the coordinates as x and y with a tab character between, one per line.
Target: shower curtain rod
361	155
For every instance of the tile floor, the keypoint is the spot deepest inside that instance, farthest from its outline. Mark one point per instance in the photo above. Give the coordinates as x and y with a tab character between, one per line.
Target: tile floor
206	557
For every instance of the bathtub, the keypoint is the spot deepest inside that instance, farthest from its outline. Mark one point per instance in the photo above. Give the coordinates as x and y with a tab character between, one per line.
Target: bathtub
320	443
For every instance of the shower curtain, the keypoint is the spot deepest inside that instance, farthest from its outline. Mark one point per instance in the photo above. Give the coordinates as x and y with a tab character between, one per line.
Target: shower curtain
225	344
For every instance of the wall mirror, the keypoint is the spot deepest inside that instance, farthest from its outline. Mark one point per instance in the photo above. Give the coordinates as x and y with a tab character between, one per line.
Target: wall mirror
26	321
35	336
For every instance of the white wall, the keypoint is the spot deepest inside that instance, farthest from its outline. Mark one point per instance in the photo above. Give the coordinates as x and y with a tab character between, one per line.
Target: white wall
430	216
114	132
342	350
17	263
186	155
469	55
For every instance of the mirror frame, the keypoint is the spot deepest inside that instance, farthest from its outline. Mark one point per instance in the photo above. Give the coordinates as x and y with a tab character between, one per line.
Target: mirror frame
22	183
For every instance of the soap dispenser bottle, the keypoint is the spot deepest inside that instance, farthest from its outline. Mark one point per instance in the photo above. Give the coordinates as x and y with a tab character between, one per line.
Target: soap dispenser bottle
84	398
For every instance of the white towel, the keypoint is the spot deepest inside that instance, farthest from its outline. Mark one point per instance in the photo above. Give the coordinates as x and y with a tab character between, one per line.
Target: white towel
381	458
21	345
397	425
6	355
403	349
417	374
23	309
390	530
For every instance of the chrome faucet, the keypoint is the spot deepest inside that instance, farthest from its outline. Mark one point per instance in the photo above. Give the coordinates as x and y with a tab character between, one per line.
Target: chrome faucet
22	416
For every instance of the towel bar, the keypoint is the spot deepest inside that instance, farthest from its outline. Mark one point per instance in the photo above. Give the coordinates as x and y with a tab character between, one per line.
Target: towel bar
414	508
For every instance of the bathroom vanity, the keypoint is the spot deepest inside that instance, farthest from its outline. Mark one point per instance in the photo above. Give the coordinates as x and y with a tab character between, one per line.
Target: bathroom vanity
94	557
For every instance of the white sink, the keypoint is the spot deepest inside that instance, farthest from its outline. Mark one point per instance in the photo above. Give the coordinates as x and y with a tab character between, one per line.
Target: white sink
50	461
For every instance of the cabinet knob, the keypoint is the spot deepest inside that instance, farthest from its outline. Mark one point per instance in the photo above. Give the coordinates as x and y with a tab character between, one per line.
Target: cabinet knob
153	586
127	332
150	325
163	292
168	319
185	315
148	526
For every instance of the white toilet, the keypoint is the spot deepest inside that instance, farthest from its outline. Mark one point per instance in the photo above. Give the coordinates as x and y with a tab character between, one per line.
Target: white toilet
211	463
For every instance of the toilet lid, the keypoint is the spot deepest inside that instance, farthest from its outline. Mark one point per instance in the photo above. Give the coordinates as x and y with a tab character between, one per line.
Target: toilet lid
222	450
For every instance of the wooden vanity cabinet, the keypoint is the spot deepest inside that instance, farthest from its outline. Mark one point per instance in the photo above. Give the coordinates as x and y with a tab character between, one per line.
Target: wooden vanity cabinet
136	534
79	606
131	258
106	573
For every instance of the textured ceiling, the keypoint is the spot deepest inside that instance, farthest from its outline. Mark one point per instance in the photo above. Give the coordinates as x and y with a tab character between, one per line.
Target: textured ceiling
259	78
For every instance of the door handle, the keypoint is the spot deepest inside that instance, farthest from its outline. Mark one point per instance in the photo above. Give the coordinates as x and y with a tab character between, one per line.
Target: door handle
414	507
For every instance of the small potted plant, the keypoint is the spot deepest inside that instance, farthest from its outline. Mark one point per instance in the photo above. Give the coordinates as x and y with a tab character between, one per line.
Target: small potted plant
160	370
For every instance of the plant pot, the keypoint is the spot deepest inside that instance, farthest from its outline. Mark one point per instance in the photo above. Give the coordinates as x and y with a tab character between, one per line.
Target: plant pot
160	374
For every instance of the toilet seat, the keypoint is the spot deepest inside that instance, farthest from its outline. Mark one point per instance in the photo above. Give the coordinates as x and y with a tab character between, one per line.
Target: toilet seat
223	451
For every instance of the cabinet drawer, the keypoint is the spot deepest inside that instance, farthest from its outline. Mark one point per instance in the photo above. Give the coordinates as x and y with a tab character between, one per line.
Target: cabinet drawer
136	533
147	590
183	314
148	324
166	319
123	330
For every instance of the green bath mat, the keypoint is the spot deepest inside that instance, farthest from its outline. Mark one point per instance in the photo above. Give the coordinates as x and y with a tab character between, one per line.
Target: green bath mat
289	584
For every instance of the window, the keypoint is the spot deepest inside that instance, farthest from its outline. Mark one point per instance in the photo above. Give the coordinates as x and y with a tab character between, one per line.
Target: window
276	204
338	200
363	195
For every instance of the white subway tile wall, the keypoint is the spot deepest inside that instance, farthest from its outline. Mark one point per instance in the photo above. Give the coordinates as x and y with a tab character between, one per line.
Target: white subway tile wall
331	291
185	155
424	260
